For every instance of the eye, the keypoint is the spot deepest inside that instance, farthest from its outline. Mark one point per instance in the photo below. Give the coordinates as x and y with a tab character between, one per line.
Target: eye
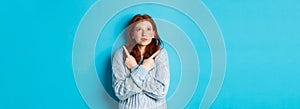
138	29
149	29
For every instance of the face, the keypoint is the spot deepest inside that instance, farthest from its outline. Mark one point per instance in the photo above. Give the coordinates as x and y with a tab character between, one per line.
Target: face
143	33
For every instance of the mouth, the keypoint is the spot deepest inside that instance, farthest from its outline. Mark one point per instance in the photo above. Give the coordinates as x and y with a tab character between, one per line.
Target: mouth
144	39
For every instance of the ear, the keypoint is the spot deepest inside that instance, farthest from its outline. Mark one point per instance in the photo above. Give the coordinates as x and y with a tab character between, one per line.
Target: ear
153	36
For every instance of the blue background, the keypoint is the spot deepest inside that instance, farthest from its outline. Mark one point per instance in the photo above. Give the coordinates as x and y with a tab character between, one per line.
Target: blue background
261	37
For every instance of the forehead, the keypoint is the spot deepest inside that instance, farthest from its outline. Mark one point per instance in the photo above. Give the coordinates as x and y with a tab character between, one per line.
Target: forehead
143	23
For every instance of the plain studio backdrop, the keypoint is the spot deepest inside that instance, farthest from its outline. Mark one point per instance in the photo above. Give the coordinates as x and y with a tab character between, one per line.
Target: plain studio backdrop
261	40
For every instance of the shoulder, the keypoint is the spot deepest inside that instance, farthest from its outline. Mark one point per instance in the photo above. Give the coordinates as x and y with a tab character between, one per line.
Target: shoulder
163	53
118	53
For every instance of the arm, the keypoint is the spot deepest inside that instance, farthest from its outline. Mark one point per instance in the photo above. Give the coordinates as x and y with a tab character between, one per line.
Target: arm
155	86
123	84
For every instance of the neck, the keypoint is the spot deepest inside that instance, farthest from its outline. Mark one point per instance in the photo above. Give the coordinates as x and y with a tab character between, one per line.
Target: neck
142	49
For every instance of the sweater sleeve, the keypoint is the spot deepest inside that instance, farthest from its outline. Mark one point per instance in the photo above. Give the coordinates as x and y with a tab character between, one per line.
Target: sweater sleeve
123	84
155	86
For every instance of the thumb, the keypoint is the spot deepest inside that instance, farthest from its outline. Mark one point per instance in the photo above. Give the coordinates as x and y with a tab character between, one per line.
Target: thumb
154	54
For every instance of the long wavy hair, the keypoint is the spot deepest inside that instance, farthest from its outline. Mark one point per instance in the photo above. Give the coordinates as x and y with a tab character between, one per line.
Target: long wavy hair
131	44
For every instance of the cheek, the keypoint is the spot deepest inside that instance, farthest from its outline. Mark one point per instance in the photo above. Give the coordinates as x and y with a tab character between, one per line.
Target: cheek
150	33
135	35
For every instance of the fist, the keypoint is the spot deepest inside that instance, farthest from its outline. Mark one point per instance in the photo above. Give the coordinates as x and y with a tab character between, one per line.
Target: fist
130	61
149	63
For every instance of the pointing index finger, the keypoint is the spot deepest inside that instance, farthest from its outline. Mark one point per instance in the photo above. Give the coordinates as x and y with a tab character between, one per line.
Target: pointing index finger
126	51
154	54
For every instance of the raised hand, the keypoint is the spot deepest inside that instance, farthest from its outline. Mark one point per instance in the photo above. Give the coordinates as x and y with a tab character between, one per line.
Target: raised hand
149	63
130	61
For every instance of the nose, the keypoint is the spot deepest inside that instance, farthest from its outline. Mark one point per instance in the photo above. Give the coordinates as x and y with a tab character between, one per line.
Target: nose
143	33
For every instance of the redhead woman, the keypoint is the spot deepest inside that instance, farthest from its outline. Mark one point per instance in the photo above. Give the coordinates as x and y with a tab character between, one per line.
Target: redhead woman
140	68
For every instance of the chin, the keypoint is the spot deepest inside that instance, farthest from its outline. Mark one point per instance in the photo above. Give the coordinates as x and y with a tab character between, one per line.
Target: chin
144	44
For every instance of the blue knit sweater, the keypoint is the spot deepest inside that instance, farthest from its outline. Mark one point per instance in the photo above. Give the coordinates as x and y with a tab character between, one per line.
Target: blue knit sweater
138	88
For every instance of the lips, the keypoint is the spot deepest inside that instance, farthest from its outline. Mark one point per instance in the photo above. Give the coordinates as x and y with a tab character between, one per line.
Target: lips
144	39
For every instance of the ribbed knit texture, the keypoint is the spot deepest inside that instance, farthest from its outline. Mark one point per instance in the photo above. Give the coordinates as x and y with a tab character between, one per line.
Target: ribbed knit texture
138	88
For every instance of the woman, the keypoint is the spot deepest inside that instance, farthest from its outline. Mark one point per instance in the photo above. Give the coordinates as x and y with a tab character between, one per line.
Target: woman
141	69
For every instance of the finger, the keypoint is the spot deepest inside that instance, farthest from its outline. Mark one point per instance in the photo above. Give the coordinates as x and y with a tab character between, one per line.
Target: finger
126	51
154	54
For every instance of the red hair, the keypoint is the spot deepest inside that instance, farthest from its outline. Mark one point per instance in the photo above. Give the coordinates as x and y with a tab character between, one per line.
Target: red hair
150	48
